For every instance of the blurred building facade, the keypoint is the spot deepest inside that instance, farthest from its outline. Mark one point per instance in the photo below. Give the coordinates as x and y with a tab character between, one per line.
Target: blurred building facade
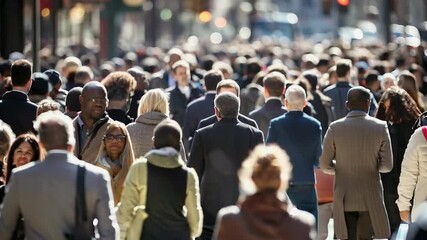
111	26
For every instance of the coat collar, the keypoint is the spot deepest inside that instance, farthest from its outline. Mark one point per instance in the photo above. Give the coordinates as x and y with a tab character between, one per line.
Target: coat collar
13	94
357	113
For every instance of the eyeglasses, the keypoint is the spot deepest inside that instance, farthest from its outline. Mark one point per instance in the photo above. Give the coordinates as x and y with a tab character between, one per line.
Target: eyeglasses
118	138
98	100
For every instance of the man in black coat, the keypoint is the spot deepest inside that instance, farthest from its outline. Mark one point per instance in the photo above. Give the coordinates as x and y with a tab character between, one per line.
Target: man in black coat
217	153
183	93
202	107
274	86
15	107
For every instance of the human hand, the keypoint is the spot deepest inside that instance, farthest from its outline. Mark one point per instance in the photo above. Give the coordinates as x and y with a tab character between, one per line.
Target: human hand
404	216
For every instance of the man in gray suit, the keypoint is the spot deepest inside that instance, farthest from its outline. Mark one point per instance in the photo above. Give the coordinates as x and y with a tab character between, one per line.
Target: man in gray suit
43	193
356	149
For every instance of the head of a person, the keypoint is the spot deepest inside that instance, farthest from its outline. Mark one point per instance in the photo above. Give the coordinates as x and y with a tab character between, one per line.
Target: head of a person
141	77
388	80
72	102
93	101
227	105
406	80
47	105
70	65
54	79
212	78
225	68
23	150
173	56
274	84
295	97
56	131
372	81
312	79
154	100
358	98
343	68
119	86
40	87
228	85
21	72
252	67
83	75
266	169
181	72
167	133
116	143
397	106
6	138
278	67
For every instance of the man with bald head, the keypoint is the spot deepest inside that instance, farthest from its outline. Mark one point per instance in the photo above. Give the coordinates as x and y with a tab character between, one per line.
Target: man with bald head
357	149
91	122
300	135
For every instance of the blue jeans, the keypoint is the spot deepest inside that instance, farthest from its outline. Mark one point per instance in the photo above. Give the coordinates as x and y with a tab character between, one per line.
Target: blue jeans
304	197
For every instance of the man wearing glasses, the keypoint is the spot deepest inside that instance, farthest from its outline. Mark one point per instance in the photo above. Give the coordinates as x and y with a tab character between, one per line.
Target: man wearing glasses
91	122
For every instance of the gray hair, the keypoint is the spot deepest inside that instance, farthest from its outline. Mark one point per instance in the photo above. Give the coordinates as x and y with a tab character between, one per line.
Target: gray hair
295	96
55	130
227	104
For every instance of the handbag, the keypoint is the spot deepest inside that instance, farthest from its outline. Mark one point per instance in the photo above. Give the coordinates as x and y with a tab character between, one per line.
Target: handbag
83	228
139	214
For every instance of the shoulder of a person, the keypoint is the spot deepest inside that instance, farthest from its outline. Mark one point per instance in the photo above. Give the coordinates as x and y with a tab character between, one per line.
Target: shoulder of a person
302	216
95	170
196	103
207	121
229	212
27	168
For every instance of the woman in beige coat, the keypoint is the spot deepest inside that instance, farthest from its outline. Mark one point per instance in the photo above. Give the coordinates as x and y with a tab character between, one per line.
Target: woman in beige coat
413	176
153	108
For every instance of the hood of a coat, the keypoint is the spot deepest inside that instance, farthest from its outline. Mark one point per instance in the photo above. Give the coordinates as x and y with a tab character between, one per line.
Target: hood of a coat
151	118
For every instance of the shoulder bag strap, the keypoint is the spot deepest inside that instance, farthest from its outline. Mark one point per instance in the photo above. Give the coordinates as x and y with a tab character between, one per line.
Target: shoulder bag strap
424	129
143	192
81	213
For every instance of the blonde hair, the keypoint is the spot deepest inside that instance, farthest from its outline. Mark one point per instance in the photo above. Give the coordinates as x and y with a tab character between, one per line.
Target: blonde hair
127	157
155	100
267	168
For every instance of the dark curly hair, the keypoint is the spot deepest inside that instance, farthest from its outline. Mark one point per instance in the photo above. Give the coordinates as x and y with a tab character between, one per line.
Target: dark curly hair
402	107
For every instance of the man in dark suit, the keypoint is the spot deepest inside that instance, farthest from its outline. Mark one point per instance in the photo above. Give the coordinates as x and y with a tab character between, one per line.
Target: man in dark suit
217	153
202	107
300	135
183	93
274	86
227	85
15	107
357	149
44	192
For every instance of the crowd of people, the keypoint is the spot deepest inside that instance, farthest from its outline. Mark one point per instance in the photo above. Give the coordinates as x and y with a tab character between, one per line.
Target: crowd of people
247	142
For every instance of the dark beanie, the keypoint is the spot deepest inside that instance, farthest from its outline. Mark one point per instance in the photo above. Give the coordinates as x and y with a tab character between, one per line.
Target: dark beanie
72	100
40	85
167	133
54	76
